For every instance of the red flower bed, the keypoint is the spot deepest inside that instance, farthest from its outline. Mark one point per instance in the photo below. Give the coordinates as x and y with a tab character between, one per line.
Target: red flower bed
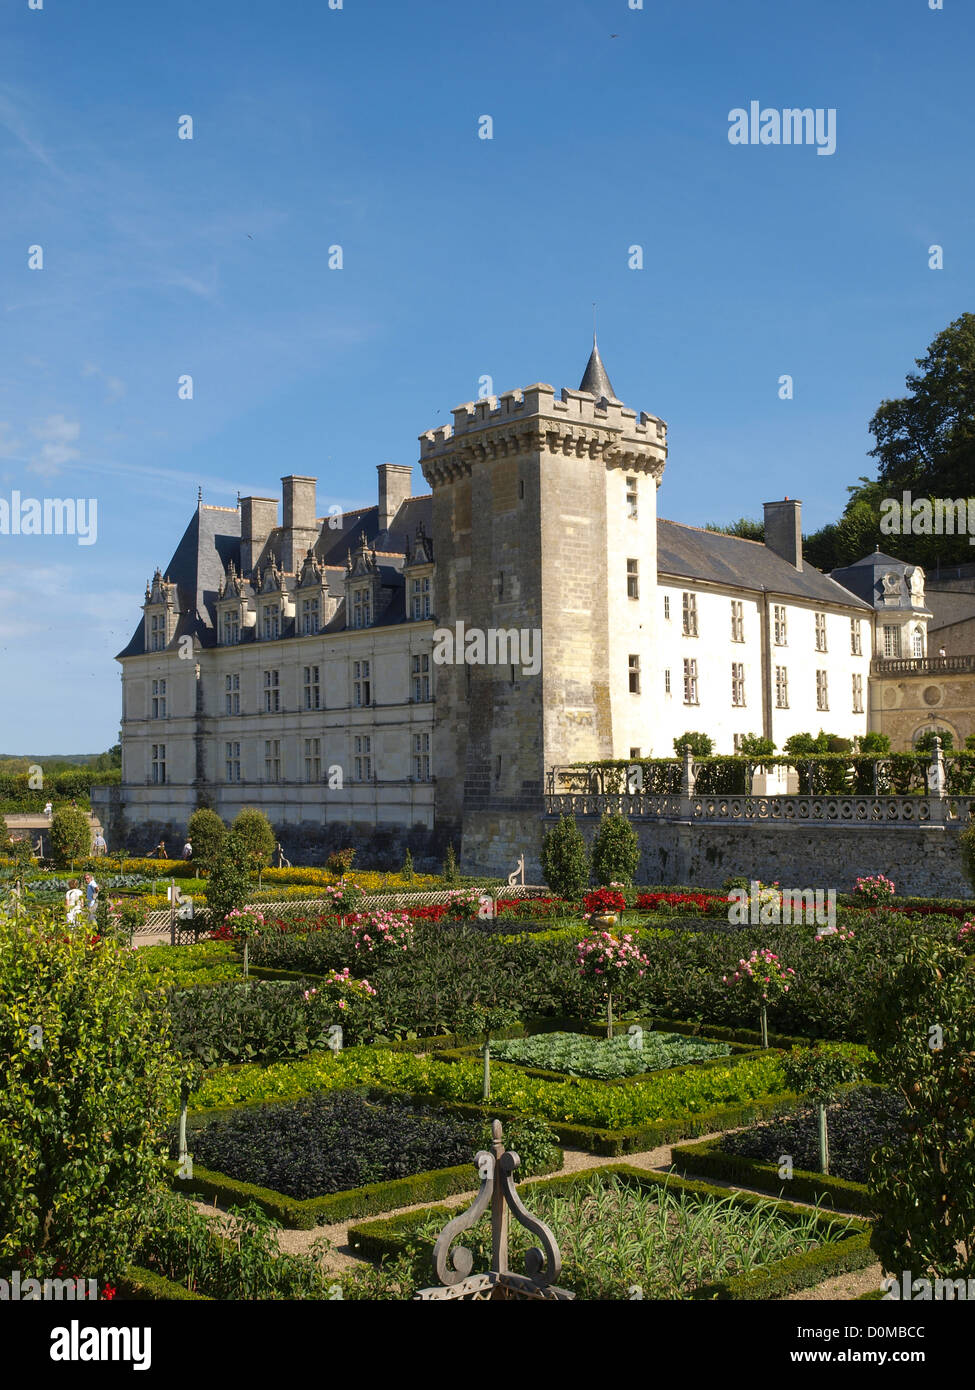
604	900
701	902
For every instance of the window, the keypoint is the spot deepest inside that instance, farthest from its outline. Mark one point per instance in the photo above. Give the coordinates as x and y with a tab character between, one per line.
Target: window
689	602
858	694
362	608
690	683
738	683
157	628
361	684
856	638
159	699
231	629
667	607
820	632
310	616
421	757
666	682
231	692
634	754
633	579
781	688
272	692
272	621
778	621
363	760
421	598
313	689
159	763
822	691
634	675
272	760
917	643
631	508
232	761
313	760
421	678
892	641
737	620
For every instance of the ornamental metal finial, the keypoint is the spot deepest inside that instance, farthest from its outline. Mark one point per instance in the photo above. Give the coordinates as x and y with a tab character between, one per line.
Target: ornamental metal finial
543	1263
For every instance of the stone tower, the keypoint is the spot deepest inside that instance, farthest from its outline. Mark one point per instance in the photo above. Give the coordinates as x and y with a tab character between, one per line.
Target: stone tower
536	538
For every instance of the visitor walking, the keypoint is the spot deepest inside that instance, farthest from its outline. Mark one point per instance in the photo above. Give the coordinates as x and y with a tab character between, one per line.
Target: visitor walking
49	811
188	849
91	895
100	846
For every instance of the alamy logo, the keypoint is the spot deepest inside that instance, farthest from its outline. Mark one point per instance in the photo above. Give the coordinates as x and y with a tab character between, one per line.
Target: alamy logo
928	516
16	1289
772	906
926	1290
790	126
76	1343
50	516
497	646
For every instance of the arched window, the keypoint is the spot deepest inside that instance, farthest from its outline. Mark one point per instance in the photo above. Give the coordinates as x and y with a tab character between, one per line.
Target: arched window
917	642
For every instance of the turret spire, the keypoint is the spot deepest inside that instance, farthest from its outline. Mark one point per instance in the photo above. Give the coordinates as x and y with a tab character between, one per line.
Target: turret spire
596	379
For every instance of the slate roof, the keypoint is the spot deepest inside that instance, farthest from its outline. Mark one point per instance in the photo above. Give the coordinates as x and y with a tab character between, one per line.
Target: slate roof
865	578
685	552
948	607
595	379
212	540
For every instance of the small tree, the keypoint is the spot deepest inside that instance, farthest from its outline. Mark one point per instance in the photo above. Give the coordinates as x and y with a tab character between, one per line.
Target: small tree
754	746
615	851
254	833
407	870
817	1073
6	843
205	832
967	842
229	883
925	741
874	742
69	836
701	745
921	1024
450	866
90	1079
565	860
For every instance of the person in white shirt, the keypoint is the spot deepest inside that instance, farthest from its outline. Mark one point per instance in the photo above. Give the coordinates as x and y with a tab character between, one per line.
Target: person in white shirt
91	894
73	899
100	846
49	811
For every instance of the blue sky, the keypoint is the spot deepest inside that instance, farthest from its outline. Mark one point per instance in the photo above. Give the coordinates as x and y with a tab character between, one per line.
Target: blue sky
463	258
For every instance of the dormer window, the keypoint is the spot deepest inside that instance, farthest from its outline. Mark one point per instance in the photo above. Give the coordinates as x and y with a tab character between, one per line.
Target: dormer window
231	629
310	616
157	632
421	598
271	618
362	608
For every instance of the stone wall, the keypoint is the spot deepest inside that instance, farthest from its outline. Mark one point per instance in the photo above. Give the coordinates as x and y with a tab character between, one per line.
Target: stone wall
921	859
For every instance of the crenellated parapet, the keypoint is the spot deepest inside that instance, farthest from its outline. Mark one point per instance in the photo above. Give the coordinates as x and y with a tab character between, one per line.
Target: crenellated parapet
533	421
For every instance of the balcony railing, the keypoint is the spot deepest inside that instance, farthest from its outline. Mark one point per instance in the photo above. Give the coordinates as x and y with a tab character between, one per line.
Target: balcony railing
922	665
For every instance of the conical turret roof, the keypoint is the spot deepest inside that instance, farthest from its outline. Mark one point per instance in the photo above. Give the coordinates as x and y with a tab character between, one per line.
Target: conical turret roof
595	379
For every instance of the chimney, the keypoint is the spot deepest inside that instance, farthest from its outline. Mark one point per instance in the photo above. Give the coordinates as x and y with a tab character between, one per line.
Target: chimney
783	530
395	486
298	525
258	518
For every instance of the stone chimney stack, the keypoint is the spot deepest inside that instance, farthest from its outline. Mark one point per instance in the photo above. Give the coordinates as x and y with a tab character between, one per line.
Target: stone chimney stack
783	530
258	518
298	525
395	486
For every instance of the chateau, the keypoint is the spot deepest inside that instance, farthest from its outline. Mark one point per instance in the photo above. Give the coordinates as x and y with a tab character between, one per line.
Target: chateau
303	665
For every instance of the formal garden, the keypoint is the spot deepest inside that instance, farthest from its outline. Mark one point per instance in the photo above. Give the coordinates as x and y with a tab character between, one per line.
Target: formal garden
704	1105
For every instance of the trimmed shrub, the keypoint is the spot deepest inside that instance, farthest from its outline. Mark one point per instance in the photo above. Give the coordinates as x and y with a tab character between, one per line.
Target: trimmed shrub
701	745
565	859
69	837
229	884
205	832
615	851
340	861
253	831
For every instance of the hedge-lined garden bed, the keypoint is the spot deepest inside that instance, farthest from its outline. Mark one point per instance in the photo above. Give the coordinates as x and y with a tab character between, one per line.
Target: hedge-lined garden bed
773	1248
